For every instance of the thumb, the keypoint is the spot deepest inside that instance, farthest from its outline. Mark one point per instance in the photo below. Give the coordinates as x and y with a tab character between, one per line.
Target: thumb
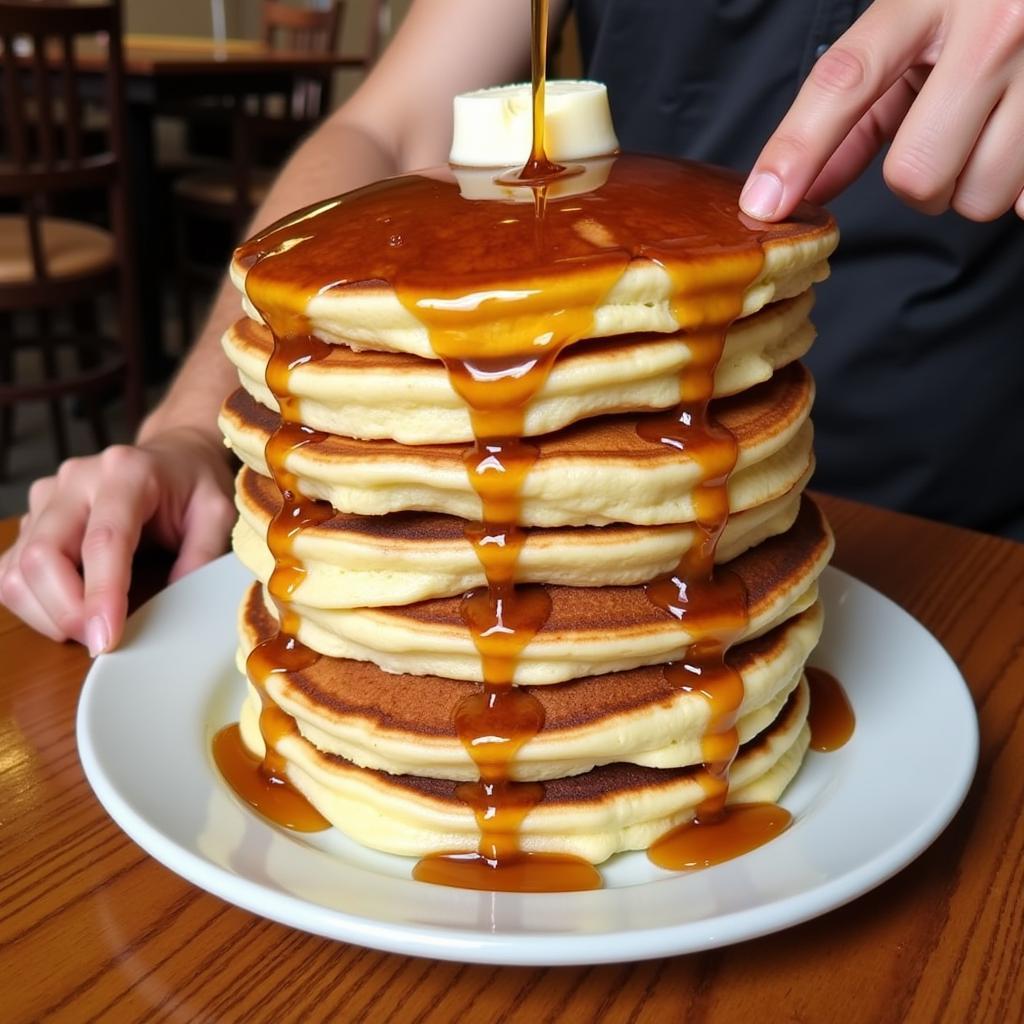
205	529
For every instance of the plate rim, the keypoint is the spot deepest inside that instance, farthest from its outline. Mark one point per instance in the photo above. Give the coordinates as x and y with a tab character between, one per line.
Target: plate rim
528	948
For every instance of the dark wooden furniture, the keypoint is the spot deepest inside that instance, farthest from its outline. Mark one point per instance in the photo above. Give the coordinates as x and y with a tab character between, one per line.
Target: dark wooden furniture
94	929
229	192
160	73
53	267
300	28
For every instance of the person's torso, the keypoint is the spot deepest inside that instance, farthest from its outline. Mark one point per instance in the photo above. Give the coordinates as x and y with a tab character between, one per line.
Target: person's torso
920	360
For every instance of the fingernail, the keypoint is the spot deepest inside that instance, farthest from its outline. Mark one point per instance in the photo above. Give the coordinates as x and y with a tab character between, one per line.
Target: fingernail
761	195
97	636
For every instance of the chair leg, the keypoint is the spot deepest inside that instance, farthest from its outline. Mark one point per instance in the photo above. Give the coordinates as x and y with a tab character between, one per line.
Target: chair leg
86	325
52	370
6	377
133	386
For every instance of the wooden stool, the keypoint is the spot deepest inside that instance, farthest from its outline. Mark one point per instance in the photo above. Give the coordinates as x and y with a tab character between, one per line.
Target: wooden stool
49	263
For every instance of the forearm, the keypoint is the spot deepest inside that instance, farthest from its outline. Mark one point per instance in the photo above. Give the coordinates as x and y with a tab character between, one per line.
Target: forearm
399	119
337	157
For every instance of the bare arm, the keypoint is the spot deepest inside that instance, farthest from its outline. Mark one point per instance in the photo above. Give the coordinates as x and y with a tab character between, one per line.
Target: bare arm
399	119
68	573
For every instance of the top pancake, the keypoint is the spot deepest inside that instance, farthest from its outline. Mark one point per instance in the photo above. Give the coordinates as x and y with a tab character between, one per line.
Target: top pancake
647	250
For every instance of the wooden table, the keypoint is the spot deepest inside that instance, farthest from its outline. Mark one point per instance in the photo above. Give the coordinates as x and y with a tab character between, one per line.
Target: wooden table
94	929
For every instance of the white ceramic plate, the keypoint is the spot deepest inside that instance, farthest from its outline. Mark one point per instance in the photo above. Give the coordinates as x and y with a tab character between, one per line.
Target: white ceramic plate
149	710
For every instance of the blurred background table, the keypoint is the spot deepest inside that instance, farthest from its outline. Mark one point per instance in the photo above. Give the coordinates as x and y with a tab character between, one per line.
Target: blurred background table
161	73
189	130
94	929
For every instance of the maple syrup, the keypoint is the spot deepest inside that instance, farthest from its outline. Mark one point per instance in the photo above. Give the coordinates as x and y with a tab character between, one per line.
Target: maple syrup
502	288
831	717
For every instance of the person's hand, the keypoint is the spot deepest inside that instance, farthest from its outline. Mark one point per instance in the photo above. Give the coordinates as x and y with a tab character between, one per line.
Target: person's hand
68	572
942	79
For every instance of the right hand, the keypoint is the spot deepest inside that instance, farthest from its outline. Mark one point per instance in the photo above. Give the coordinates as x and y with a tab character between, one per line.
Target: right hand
68	572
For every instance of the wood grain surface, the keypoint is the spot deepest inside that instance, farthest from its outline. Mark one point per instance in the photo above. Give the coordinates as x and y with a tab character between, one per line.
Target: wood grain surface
191	55
92	929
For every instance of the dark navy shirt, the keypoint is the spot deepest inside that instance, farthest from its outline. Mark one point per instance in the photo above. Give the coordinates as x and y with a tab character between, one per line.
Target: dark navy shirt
920	355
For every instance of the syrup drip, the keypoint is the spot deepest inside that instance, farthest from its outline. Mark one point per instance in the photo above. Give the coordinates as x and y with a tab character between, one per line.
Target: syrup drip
502	618
831	717
539	167
710	604
264	783
744	828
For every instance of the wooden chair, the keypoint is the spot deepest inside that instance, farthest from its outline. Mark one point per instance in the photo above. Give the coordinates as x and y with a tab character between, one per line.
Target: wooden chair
229	193
53	268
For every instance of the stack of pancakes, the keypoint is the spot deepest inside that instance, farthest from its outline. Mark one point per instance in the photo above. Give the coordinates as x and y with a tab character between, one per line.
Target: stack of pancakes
376	750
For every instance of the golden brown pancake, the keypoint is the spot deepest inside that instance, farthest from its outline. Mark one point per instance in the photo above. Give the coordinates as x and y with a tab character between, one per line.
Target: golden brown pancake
357	266
366	561
590	630
612	808
406	724
410	400
596	472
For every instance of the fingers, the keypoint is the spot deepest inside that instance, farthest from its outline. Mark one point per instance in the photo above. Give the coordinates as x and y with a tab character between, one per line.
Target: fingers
991	182
90	516
940	131
15	594
208	520
43	576
69	571
126	498
876	128
843	85
958	143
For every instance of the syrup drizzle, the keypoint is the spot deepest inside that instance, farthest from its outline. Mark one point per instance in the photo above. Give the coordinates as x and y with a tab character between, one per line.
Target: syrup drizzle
555	260
711	605
263	783
502	617
538	167
831	717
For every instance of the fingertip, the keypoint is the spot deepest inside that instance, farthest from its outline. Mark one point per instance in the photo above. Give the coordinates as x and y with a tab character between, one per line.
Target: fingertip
104	617
97	635
762	195
186	564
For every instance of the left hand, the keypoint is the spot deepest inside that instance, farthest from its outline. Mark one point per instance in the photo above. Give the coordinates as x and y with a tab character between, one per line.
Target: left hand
943	80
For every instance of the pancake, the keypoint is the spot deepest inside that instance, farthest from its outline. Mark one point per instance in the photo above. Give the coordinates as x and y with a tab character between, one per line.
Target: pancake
604	252
406	724
366	561
596	472
618	286
610	809
589	630
410	400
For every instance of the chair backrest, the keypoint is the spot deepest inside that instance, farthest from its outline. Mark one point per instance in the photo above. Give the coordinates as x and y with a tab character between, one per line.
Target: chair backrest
300	28
309	31
44	91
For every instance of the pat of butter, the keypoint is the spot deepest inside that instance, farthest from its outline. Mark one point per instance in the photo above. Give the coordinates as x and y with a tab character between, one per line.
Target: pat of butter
494	127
